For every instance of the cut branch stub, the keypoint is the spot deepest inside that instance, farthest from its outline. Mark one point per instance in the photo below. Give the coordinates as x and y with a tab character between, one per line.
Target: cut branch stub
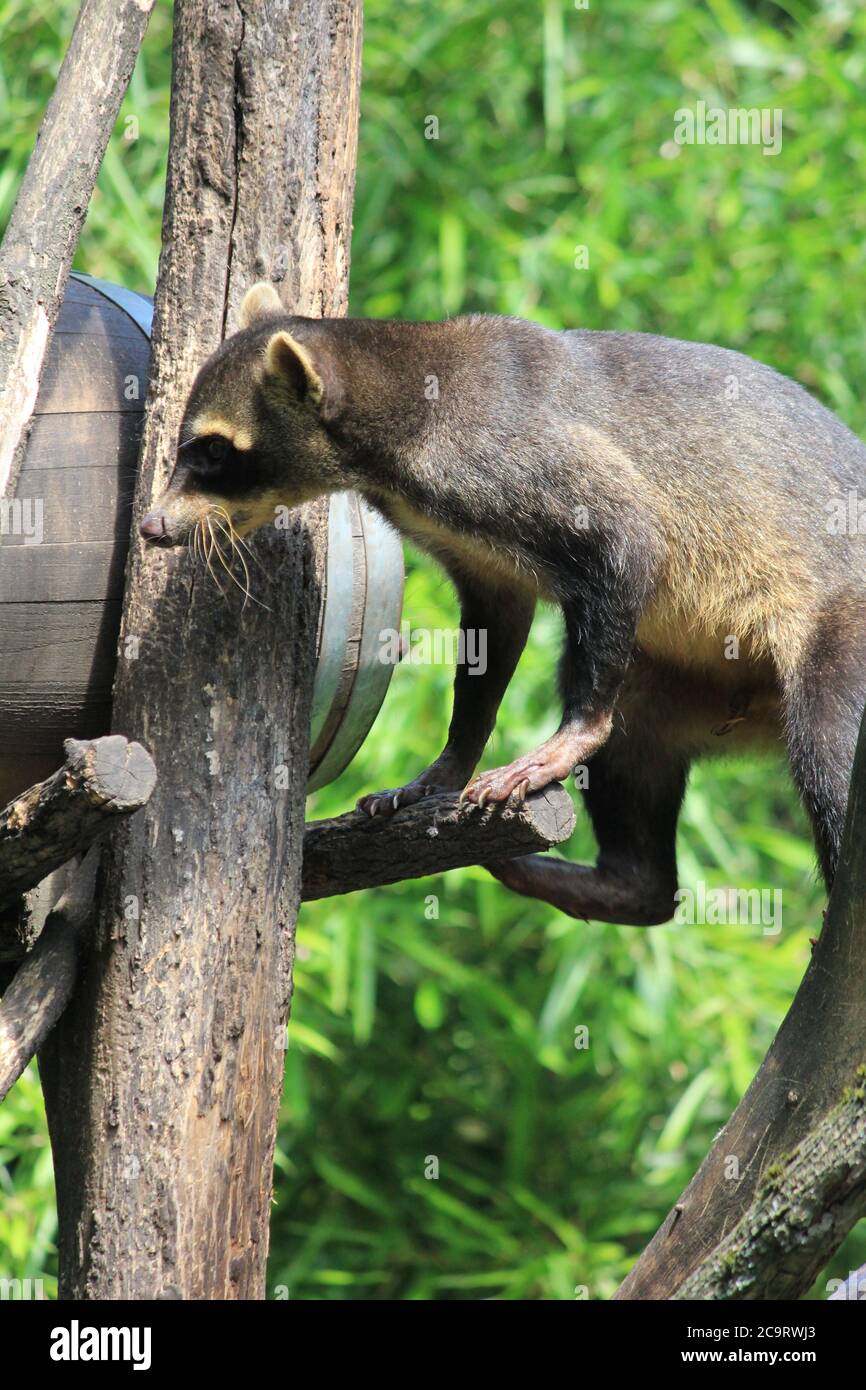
49	823
355	851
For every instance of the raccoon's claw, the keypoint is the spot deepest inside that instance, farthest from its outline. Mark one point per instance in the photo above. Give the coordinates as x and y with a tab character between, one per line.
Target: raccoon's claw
387	802
510	784
518	796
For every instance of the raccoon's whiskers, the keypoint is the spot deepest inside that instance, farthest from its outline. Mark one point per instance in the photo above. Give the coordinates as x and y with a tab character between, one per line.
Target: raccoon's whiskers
209	544
199	543
236	539
232	538
236	551
222	559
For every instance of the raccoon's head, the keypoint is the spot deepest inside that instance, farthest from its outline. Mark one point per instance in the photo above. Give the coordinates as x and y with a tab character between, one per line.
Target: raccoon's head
254	436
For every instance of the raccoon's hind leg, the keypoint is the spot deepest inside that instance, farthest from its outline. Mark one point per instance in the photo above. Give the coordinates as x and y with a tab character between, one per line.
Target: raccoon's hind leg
823	703
635	787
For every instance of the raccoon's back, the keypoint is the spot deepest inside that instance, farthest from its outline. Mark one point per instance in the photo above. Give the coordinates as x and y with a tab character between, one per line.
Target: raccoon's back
748	452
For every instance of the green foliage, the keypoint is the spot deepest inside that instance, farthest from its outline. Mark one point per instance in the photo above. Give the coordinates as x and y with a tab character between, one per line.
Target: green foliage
455	1038
28	1223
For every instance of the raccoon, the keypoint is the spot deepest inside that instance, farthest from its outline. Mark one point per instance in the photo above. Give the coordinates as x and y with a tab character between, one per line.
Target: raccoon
694	515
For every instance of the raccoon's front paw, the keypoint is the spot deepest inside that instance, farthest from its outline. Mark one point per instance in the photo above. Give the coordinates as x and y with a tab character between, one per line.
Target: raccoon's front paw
550	762
512	783
447	774
387	802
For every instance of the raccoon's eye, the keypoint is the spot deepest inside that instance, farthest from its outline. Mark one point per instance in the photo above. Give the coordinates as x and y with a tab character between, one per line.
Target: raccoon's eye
217	450
208	456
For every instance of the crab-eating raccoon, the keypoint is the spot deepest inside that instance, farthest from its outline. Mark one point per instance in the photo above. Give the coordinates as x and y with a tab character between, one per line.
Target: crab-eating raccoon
699	519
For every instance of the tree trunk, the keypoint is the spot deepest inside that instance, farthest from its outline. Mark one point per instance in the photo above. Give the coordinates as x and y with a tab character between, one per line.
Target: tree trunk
52	204
163	1078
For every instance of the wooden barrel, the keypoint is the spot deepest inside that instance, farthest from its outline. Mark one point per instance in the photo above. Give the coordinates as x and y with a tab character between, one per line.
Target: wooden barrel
64	540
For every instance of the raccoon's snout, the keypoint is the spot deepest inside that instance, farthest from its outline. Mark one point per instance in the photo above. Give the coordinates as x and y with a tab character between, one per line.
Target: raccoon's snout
156	530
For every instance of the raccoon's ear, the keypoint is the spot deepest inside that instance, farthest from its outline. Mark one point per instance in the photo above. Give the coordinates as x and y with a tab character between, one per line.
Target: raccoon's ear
288	361
259	302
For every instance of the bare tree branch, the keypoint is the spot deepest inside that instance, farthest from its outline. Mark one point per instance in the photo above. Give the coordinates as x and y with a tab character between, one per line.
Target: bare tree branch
17	936
45	982
169	1062
52	203
353	851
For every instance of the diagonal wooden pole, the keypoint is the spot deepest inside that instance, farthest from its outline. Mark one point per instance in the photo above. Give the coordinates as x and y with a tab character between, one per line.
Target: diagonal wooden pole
751	1175
52	203
163	1078
44	984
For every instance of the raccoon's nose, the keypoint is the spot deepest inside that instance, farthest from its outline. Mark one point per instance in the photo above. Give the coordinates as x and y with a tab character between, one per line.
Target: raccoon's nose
153	527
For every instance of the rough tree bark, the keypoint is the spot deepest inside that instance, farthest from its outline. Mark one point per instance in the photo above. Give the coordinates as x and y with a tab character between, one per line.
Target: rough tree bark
803	1211
815	1056
434	835
163	1078
49	211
